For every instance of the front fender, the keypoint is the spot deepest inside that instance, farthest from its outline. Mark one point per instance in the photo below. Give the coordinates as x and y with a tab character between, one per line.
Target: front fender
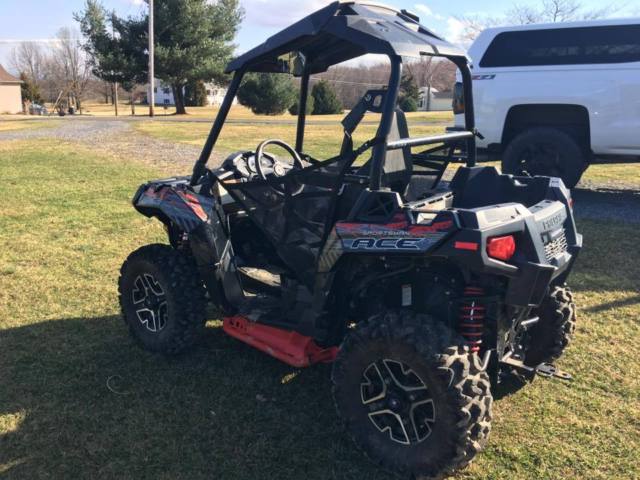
174	204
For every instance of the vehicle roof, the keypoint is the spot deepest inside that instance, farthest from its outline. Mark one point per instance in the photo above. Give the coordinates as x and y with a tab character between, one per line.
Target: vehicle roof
562	25
480	45
345	30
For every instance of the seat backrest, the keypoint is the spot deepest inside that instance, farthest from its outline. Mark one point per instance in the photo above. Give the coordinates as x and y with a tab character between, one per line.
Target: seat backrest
398	165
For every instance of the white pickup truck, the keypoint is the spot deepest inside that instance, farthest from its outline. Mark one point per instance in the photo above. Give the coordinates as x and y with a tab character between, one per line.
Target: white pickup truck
552	99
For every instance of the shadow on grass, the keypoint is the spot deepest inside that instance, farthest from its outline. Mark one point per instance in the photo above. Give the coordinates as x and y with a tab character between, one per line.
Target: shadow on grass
624	302
222	411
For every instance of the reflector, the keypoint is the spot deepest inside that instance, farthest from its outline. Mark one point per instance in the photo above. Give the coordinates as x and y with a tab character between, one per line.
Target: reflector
501	248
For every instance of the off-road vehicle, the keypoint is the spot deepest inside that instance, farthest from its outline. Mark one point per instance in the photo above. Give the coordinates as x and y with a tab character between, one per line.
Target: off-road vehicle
419	292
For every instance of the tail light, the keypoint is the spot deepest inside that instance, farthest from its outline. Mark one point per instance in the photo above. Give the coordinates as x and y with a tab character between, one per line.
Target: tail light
501	248
458	98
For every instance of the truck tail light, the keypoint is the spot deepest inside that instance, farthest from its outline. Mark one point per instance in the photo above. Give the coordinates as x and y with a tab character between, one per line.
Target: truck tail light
458	98
501	248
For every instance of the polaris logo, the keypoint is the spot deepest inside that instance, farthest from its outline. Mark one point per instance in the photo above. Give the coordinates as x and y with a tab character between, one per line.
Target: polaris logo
386	244
552	222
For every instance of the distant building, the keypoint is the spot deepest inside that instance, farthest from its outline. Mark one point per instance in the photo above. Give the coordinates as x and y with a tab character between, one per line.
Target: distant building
164	94
10	93
431	100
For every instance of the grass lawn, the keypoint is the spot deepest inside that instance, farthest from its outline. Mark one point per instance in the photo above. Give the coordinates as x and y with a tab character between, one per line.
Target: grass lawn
8	124
239	112
321	141
65	233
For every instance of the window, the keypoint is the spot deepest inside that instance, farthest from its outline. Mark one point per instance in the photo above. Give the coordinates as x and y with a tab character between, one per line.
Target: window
166	90
564	46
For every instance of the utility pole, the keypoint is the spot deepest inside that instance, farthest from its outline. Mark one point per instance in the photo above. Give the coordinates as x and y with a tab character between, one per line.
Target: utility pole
115	84
152	81
115	96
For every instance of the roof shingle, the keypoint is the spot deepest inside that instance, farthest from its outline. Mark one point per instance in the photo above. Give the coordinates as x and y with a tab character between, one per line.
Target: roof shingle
6	77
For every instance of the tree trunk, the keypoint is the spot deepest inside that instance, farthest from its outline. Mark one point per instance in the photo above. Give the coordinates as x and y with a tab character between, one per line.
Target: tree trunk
178	97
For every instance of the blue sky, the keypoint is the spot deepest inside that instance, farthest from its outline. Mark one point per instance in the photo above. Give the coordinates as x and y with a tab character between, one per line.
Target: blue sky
40	19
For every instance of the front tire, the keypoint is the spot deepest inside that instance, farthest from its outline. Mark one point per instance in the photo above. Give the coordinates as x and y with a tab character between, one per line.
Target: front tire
162	299
411	395
545	151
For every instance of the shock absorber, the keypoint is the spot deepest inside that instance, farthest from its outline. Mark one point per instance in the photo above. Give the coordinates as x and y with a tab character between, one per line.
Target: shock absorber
472	315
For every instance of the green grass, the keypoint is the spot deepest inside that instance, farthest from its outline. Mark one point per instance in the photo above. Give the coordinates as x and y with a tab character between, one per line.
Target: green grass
321	141
64	233
11	123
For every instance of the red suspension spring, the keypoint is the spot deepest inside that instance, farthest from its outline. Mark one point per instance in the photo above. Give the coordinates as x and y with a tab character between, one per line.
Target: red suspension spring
472	315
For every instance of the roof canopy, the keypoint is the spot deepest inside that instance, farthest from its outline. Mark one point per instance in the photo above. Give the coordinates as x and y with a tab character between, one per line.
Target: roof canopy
342	31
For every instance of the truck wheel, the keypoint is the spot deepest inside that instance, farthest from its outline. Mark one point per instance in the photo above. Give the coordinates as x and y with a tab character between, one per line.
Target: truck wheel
545	151
162	299
552	334
411	395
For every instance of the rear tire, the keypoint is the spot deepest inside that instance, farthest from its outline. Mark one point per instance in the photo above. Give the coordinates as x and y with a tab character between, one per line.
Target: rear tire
545	151
162	299
549	338
434	414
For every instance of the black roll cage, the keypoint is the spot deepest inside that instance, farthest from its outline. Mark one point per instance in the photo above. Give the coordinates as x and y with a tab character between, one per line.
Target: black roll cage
381	144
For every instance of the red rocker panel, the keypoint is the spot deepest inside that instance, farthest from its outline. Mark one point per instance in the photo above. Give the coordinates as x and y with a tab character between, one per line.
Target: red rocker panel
290	347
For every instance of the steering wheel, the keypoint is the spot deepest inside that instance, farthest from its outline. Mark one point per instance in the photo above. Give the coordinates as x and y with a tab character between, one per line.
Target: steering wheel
278	169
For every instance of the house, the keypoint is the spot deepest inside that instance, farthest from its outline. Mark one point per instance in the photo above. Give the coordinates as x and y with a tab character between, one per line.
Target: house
432	100
10	93
164	94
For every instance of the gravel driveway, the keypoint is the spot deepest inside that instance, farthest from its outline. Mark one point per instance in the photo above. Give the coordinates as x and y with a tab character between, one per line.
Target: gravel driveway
118	138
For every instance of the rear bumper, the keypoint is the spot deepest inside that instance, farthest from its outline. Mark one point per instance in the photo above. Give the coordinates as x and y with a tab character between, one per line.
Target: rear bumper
530	286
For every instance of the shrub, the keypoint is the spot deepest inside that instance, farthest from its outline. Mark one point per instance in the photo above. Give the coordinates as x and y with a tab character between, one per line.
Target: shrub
408	104
326	101
267	93
293	109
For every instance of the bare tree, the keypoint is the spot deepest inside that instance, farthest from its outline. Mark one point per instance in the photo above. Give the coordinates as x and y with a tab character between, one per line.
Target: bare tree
29	59
72	65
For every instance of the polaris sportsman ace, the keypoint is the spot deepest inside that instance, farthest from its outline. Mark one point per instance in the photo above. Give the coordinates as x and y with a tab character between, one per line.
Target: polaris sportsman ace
419	292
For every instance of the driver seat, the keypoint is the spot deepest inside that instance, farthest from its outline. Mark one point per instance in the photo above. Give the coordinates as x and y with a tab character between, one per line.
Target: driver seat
398	165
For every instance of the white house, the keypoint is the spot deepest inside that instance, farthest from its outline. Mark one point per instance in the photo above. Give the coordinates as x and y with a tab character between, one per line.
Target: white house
10	93
164	94
431	100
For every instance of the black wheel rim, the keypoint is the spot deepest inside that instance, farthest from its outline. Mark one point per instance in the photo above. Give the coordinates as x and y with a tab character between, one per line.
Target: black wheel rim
398	401
540	159
149	302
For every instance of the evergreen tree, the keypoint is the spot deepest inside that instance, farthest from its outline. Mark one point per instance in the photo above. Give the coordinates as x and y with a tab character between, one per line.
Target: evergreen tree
408	104
194	41
326	101
195	94
267	93
294	109
409	95
30	91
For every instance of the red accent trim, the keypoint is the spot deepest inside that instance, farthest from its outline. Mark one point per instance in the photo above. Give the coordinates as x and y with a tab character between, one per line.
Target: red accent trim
466	246
290	347
193	203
